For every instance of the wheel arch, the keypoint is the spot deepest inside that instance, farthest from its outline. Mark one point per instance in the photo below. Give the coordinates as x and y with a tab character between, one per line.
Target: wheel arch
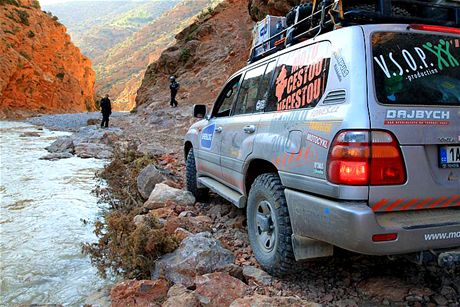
255	168
187	147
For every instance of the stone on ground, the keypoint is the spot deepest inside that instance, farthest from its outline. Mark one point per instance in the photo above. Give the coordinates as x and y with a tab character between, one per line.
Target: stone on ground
139	293
29	134
147	179
163	193
62	144
197	255
219	289
179	295
257	275
266	301
57	156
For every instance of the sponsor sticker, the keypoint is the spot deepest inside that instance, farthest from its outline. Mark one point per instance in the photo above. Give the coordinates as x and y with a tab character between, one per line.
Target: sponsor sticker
318	140
320	126
417	117
318	168
340	67
206	136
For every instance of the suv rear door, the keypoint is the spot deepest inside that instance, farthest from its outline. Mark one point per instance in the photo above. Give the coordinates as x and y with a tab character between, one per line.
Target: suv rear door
414	92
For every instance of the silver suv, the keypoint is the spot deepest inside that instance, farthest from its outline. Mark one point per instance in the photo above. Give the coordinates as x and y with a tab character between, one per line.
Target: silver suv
349	139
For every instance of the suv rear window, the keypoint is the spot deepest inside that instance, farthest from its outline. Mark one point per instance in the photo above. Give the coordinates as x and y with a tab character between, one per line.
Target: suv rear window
416	69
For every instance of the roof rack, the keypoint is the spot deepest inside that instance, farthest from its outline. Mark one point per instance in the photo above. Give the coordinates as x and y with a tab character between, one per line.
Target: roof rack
328	15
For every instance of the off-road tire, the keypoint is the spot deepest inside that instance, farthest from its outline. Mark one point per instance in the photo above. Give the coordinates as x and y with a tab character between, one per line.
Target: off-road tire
280	259
305	10
190	173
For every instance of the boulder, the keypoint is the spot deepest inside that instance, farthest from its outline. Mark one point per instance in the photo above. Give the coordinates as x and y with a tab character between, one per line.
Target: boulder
139	293
88	142
179	295
56	156
147	180
219	289
262	300
258	275
163	193
62	144
92	150
197	255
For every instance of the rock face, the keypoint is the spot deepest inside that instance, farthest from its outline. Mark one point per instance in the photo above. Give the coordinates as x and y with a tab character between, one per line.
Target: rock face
258	9
163	193
88	142
139	293
205	55
147	179
41	71
197	255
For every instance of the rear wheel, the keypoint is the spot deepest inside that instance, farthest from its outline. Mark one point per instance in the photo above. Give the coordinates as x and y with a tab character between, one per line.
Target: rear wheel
191	178
269	225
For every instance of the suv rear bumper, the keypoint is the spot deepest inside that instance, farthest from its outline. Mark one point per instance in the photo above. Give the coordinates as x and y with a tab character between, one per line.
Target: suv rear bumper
351	225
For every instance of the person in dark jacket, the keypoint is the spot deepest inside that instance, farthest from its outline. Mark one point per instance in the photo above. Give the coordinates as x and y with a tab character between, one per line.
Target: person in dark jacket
174	87
106	110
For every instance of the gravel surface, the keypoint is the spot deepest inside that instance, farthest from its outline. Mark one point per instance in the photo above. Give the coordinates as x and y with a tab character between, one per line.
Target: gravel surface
69	122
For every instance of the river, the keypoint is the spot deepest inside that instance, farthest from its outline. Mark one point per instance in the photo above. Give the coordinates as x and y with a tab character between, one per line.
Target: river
42	208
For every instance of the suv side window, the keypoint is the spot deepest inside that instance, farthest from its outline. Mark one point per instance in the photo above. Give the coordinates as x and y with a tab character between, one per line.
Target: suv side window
247	98
264	87
300	78
225	101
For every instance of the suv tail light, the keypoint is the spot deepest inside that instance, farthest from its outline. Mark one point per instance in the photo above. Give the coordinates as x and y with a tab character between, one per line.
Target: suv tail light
361	157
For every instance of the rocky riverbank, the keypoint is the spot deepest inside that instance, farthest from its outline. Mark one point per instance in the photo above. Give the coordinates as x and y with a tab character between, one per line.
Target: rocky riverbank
145	186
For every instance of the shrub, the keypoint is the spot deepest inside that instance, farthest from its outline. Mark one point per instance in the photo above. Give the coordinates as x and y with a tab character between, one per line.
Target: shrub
122	247
11	2
25	55
23	17
60	75
36	4
185	55
30	34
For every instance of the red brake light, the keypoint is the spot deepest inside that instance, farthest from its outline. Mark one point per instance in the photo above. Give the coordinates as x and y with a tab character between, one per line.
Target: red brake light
435	28
365	158
385	237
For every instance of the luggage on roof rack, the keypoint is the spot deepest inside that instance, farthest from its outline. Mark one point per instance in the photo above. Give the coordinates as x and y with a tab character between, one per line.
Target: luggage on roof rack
320	16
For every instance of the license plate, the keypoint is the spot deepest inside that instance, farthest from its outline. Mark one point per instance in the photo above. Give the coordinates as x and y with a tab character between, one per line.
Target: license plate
449	157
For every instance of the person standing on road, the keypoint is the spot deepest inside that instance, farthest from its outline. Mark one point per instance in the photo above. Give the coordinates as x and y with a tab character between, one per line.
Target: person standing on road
106	110
174	87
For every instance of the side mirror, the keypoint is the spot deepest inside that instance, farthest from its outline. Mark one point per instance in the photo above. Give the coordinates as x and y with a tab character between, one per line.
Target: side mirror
199	110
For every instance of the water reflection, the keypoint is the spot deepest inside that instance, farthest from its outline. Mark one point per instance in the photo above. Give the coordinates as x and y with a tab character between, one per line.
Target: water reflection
42	205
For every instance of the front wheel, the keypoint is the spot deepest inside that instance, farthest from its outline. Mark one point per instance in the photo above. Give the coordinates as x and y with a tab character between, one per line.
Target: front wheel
190	171
269	225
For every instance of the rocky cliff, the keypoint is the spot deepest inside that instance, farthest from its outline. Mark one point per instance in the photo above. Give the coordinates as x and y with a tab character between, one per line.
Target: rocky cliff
258	9
206	53
41	71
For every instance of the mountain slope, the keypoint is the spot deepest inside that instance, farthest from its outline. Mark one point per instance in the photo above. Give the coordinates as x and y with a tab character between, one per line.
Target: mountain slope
205	55
120	73
41	71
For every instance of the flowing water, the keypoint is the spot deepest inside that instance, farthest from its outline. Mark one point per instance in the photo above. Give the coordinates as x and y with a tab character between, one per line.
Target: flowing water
42	208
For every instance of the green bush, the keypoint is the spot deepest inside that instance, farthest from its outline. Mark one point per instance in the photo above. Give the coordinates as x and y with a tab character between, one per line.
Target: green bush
23	17
185	55
60	75
36	4
11	2
30	34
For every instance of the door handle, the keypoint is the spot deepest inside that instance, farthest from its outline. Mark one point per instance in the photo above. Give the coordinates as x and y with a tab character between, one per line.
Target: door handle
218	129
249	129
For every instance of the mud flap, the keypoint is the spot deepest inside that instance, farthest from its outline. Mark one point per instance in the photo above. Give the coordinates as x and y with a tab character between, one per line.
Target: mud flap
306	248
